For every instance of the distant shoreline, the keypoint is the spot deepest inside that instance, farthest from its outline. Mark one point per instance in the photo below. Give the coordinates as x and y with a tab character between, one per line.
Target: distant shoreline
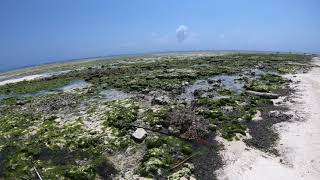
10	71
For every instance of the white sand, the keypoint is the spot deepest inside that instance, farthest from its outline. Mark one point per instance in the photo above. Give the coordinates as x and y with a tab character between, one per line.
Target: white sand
25	78
31	77
299	142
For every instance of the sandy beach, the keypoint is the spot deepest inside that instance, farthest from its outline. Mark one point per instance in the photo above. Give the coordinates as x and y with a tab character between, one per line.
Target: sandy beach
299	144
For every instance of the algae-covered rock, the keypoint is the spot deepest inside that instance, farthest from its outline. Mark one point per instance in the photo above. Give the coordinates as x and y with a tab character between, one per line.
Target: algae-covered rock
153	142
121	114
184	173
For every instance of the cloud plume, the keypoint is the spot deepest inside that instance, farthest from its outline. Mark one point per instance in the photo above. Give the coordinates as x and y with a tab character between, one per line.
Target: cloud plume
182	33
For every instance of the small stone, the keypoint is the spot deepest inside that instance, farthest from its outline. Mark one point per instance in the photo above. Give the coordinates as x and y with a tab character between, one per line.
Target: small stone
227	109
274	114
158	127
22	102
139	134
186	83
211	81
173	130
212	127
161	100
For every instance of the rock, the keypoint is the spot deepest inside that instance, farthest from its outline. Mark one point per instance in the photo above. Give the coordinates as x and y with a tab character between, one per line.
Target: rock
212	127
211	81
145	91
274	114
183	178
173	130
263	95
198	92
186	83
158	127
22	102
227	109
139	134
161	100
257	116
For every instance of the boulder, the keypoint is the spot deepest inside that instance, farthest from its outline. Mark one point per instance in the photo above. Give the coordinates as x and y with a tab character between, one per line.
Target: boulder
139	134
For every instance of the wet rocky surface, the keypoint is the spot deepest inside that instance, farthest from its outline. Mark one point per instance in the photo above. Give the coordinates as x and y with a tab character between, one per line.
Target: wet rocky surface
155	117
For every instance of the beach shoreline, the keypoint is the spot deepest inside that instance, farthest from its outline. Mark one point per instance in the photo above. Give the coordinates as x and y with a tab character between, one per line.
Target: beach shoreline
298	143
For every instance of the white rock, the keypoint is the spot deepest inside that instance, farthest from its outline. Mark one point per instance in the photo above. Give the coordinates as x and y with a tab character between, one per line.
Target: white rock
139	134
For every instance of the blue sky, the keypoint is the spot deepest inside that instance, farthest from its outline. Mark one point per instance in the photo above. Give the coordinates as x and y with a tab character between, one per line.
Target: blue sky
42	31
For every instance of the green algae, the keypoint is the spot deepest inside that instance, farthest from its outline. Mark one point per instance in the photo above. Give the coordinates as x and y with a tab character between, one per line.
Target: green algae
267	83
69	150
162	153
121	114
54	149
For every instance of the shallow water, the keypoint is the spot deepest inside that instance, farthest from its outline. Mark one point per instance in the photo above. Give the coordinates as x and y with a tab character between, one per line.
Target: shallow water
189	91
113	94
75	85
230	82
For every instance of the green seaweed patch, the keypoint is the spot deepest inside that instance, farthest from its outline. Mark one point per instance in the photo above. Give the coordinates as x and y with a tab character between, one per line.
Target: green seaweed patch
163	152
226	114
57	151
155	116
186	172
121	114
290	68
267	83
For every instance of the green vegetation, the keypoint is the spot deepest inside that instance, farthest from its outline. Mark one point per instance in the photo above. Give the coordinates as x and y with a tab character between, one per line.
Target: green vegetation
55	150
75	135
162	154
267	83
121	114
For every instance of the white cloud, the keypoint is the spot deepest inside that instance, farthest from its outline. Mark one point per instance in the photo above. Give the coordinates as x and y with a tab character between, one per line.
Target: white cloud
182	33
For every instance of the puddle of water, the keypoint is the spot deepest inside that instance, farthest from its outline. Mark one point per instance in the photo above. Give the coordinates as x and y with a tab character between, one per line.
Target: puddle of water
40	93
189	91
230	82
3	97
258	72
113	94
75	85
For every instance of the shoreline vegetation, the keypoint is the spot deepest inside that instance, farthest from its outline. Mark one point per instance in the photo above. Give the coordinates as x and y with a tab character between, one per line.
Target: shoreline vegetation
151	116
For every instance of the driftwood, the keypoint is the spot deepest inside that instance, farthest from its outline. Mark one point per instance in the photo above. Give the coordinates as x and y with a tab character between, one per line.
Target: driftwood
263	95
183	161
38	174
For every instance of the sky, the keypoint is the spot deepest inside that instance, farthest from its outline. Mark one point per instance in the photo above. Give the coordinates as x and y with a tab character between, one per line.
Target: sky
43	31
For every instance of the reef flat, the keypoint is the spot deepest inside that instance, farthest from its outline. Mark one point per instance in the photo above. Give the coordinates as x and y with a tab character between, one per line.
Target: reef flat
154	116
